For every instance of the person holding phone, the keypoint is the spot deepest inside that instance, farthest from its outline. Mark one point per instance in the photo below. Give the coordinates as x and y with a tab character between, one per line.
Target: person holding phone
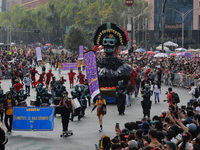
99	104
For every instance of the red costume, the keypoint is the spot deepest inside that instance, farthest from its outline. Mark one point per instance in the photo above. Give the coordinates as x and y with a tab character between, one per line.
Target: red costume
81	78
40	80
147	72
71	77
62	80
33	72
49	75
18	86
133	75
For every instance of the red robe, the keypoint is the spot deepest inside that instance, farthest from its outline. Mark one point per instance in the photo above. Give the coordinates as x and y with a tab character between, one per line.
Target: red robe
40	80
18	86
71	77
133	75
48	75
33	72
147	72
62	81
81	78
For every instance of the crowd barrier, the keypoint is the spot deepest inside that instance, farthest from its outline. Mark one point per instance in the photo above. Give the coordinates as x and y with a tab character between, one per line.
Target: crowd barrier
180	80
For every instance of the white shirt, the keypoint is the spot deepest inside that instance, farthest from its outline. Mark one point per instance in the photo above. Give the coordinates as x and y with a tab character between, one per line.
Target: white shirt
156	89
198	110
192	92
27	81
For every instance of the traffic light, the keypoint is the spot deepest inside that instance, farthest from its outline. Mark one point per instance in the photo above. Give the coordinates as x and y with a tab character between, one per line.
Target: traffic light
147	37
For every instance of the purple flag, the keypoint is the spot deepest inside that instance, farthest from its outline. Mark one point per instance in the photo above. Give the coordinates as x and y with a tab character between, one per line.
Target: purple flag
80	52
38	53
91	72
68	66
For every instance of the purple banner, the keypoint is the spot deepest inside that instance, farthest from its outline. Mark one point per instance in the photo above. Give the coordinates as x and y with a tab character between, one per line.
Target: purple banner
81	49
39	53
91	72
68	66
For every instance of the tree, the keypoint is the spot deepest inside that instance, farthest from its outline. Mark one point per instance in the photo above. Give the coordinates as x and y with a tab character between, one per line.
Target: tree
76	36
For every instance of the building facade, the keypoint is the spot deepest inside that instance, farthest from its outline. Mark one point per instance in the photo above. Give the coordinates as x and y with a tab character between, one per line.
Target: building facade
176	11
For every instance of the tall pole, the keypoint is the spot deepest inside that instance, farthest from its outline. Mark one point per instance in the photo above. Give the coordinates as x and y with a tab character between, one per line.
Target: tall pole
163	19
129	26
183	19
10	31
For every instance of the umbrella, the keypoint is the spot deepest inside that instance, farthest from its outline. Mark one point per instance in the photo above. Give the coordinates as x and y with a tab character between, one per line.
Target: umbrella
160	48
141	49
168	51
192	51
186	54
170	43
49	44
124	52
138	51
161	55
180	49
157	51
45	47
172	54
151	53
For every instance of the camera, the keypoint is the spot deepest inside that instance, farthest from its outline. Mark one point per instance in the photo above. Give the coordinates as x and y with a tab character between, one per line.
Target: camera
166	92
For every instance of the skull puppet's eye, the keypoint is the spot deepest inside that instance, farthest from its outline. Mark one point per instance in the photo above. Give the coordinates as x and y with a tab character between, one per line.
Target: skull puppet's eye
111	42
104	42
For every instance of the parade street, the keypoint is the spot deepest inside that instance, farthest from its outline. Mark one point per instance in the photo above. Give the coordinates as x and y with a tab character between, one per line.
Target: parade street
86	131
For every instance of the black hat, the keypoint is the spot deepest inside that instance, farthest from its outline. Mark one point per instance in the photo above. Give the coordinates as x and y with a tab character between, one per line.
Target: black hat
110	28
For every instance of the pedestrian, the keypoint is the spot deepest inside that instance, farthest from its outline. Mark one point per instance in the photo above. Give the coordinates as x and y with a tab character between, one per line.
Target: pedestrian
49	75
137	85
121	98
3	138
59	66
80	77
83	64
52	87
2	98
27	81
9	103
156	91
129	92
99	104
146	103
79	65
66	108
71	78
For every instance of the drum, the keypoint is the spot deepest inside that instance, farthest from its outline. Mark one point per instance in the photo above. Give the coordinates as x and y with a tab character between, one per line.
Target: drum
32	102
76	103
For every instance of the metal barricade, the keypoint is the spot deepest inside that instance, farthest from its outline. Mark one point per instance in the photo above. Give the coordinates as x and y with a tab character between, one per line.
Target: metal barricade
182	80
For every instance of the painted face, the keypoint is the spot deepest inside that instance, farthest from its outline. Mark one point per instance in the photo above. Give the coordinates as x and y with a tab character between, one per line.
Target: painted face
76	88
21	92
109	44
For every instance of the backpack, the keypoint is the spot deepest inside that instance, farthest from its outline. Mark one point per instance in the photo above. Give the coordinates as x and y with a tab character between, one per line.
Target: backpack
196	94
175	98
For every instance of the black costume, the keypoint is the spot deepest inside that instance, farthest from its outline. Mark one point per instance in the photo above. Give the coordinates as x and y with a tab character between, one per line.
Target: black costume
46	98
40	91
146	103
2	98
21	97
121	99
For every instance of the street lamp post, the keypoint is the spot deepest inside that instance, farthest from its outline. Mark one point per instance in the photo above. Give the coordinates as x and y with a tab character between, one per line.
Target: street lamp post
134	21
163	19
183	16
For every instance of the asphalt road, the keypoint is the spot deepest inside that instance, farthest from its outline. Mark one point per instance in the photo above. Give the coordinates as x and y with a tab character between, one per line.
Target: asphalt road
86	133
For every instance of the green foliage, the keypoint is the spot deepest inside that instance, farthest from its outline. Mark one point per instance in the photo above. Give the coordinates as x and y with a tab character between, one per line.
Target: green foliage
76	36
53	18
